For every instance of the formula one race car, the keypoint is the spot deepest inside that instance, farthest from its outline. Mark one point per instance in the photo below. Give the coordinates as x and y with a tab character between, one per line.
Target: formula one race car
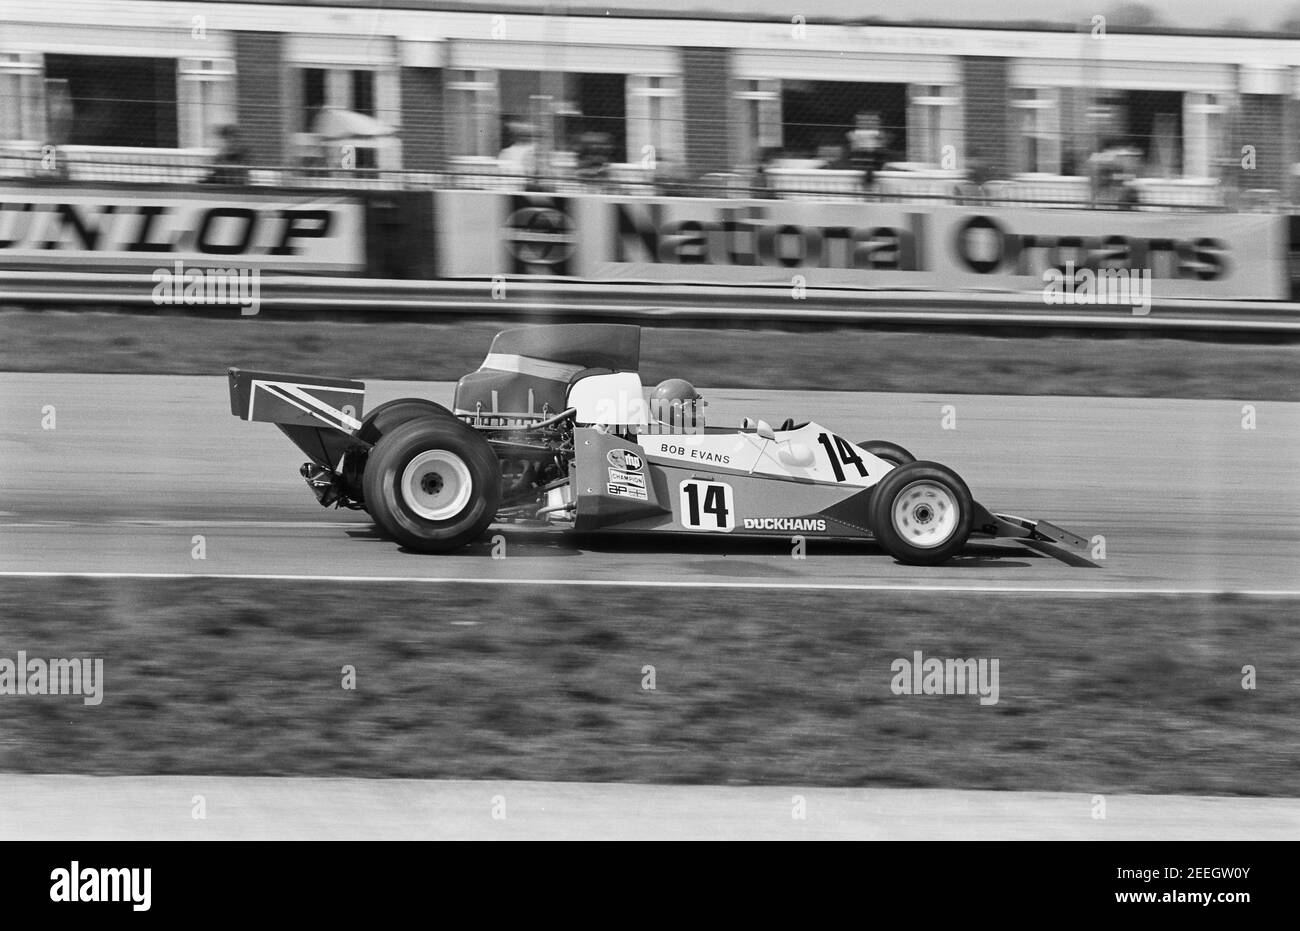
555	429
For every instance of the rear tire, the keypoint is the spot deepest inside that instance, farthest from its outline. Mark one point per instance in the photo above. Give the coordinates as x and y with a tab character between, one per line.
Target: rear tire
392	414
921	513
387	417
890	452
433	484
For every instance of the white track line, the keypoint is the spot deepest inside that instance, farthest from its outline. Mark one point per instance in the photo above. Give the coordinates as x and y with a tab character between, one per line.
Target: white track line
188	524
634	583
78	808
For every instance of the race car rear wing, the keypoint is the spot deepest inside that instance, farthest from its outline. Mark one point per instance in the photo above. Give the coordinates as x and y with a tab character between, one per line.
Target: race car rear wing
320	415
297	400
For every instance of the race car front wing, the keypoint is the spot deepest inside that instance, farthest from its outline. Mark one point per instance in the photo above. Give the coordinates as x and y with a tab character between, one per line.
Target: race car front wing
1040	536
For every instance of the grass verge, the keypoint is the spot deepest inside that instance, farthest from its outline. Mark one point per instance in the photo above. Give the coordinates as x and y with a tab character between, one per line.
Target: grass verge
1096	694
941	361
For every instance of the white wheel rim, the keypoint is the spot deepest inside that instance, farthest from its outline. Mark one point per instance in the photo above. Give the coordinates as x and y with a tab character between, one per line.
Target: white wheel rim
925	514
436	484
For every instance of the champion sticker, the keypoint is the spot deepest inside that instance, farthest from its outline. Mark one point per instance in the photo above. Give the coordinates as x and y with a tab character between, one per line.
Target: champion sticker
626	478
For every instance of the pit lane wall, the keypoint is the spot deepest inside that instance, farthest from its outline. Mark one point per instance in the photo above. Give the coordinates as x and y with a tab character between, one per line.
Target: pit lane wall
444	235
1214	256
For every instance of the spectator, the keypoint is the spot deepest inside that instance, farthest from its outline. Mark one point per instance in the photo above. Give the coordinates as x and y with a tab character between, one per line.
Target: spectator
834	157
978	173
595	151
672	179
1113	169
866	147
978	168
763	187
231	163
519	157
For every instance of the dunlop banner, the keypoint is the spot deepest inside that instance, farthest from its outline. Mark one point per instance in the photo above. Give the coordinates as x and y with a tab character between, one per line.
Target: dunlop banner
131	229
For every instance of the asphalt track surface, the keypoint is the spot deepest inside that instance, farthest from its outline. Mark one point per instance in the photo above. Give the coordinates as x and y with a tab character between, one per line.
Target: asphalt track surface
1188	500
1186	497
164	808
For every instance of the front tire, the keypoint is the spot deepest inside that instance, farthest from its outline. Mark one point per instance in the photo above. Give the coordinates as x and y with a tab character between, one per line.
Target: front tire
921	513
433	485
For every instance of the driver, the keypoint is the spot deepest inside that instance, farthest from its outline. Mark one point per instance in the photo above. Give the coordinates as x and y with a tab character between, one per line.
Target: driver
676	407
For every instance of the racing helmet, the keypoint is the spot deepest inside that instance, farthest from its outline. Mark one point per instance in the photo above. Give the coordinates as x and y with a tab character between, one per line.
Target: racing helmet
676	405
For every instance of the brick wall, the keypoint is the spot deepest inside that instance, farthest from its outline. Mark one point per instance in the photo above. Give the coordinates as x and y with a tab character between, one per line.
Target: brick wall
987	126
1259	123
259	95
706	79
424	128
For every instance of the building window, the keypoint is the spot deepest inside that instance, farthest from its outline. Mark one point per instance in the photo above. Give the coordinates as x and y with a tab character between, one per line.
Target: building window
554	111
22	98
337	88
1037	130
1205	118
559	108
531	104
933	123
818	116
472	113
1149	121
313	97
206	92
367	92
363	92
654	130
598	106
119	101
758	119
